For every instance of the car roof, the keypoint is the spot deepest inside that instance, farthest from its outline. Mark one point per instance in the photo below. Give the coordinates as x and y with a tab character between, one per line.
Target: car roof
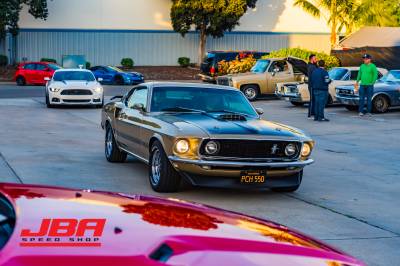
73	69
185	85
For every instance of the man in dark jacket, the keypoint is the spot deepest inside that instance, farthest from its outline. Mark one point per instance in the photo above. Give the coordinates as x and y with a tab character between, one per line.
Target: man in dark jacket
320	81
311	66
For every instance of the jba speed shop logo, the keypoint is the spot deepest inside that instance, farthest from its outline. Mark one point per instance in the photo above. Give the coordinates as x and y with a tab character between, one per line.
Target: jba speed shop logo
64	233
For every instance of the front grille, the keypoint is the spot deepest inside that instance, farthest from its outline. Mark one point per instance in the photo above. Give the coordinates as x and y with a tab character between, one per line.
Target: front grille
345	92
76	101
223	81
251	149
76	92
292	89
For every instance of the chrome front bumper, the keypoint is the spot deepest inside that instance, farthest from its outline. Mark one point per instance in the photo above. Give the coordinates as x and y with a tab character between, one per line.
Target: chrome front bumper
347	100
292	96
241	164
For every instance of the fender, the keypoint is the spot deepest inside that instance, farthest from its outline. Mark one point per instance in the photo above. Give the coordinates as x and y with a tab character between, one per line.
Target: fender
383	93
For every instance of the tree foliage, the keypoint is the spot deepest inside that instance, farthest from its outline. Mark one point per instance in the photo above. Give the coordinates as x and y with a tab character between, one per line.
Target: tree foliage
353	14
217	16
10	10
208	17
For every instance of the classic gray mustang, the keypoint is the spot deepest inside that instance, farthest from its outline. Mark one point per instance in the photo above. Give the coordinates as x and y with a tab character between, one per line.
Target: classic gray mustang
386	93
210	135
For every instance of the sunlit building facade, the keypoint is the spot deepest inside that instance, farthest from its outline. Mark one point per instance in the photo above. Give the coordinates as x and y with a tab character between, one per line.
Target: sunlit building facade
104	31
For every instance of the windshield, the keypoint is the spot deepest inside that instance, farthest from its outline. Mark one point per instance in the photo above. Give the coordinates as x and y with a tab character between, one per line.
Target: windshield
200	99
53	66
113	68
392	76
337	73
261	66
73	75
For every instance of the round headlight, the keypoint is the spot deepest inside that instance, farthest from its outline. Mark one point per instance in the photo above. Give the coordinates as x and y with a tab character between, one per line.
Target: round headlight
211	147
182	146
290	149
306	150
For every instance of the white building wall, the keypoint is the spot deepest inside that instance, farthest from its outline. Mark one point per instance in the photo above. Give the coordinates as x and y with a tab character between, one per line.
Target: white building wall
107	30
269	15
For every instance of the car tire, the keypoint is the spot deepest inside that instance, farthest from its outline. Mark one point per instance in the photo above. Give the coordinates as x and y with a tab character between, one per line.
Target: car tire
20	81
351	107
100	105
296	103
119	80
251	92
48	104
298	176
162	175
111	149
380	104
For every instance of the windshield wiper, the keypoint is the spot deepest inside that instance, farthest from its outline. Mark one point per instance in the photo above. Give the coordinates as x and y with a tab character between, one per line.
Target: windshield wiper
181	109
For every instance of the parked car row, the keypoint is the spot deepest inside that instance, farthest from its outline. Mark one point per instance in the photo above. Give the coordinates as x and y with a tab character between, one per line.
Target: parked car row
34	73
287	78
297	92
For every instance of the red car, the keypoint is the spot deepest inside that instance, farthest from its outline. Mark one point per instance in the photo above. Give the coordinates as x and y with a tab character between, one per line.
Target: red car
34	73
54	226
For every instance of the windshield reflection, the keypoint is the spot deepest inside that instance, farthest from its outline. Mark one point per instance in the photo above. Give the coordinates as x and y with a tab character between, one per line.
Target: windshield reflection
261	66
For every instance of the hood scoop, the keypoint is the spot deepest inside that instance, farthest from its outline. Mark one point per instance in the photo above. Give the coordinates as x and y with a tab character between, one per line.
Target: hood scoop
232	117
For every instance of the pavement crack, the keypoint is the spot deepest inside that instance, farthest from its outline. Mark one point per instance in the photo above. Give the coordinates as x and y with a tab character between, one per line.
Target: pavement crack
10	168
343	214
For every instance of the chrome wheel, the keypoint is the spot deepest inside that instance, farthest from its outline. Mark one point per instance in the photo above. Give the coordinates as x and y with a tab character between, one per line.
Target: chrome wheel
109	142
155	166
250	91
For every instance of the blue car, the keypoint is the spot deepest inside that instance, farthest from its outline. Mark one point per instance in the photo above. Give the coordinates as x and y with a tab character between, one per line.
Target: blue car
386	93
114	75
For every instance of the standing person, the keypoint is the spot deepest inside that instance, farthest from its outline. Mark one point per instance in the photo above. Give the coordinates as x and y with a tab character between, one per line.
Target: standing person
320	82
368	74
311	66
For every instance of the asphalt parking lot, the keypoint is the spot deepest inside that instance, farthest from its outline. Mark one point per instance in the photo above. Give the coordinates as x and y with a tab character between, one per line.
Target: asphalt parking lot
349	196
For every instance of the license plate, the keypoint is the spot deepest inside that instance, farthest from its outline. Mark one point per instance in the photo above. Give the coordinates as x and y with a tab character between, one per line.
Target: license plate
253	177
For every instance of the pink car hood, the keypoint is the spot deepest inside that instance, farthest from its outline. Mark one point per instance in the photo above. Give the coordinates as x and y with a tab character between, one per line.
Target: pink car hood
139	229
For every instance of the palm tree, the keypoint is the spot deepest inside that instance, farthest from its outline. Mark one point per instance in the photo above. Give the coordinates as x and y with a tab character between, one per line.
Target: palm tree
352	14
318	7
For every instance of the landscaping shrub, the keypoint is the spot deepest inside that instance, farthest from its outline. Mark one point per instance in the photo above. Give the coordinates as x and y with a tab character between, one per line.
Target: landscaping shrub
3	60
236	66
50	60
330	60
87	65
127	62
184	61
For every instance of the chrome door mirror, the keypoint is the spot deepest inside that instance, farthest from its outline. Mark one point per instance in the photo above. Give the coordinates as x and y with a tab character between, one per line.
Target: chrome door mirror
46	78
138	106
99	79
259	111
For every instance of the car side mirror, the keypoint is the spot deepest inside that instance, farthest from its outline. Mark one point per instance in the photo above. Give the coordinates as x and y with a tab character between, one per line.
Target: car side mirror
138	106
259	111
276	70
99	79
46	78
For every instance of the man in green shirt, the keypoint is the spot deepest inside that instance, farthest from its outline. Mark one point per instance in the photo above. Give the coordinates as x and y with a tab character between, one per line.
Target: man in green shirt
368	74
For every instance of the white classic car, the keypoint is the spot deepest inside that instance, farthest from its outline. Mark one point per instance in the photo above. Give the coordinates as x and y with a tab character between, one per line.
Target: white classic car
297	92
